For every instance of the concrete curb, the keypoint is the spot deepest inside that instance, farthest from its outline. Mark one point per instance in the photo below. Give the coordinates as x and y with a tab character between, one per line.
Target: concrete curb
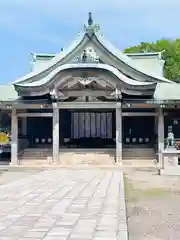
123	229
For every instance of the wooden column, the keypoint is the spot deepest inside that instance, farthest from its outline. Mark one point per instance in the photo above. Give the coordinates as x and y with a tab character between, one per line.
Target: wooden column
24	126
118	133
55	133
156	123
14	137
160	136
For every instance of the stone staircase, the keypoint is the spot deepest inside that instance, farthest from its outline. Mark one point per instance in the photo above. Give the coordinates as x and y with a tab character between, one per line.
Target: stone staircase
43	156
139	153
139	157
36	156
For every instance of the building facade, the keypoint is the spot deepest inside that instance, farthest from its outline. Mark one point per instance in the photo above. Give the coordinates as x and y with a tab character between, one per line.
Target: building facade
91	95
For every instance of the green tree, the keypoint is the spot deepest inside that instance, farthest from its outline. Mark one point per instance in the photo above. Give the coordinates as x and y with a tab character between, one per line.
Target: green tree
170	53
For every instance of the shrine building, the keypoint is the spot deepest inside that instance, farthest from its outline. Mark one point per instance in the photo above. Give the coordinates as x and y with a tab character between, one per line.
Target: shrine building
91	95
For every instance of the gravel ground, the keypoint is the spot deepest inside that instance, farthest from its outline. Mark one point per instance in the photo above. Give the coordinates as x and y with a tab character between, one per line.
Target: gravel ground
153	205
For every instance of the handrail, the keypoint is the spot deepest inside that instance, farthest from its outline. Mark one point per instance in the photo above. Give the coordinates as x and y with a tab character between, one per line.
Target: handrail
22	144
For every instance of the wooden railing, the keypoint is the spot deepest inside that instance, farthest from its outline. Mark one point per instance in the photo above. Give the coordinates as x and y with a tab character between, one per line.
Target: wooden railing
23	143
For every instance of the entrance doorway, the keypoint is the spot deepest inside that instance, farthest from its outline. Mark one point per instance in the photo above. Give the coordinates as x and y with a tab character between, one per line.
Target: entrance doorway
39	131
138	130
91	129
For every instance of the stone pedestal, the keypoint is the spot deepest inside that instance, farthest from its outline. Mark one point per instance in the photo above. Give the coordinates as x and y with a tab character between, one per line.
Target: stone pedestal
170	162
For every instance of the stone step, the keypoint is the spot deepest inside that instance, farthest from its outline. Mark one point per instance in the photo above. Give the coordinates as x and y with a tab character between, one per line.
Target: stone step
138	149
38	150
37	153
36	156
44	156
34	162
85	155
140	162
141	159
138	156
33	158
138	153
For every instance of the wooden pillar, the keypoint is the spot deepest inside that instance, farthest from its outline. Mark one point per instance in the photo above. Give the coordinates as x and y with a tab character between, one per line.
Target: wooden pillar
24	126
156	123
160	136
14	137
118	133
55	133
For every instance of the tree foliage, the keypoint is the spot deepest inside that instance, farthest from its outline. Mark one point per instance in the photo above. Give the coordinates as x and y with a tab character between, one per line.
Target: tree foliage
170	53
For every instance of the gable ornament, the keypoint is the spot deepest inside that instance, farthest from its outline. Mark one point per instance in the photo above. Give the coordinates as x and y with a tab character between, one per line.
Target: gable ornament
91	27
89	55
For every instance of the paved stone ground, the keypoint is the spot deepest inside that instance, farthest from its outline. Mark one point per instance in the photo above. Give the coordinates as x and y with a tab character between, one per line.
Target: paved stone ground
153	206
64	204
8	175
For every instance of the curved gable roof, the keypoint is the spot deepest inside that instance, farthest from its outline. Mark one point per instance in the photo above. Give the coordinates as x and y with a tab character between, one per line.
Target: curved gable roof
99	66
64	73
91	33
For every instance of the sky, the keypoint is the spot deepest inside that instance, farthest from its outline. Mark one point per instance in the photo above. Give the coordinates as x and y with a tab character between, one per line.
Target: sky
45	26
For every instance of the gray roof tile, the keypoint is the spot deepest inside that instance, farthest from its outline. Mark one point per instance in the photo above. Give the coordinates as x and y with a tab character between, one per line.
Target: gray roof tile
166	91
8	93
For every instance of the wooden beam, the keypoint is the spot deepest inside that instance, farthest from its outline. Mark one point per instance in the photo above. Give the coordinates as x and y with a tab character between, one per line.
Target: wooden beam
96	93
35	115
86	105
139	114
26	106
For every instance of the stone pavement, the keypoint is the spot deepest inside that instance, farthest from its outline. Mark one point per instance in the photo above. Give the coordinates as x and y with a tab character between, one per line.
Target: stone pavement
64	204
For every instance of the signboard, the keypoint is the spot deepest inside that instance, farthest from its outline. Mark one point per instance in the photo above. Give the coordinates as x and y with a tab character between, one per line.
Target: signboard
4	139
